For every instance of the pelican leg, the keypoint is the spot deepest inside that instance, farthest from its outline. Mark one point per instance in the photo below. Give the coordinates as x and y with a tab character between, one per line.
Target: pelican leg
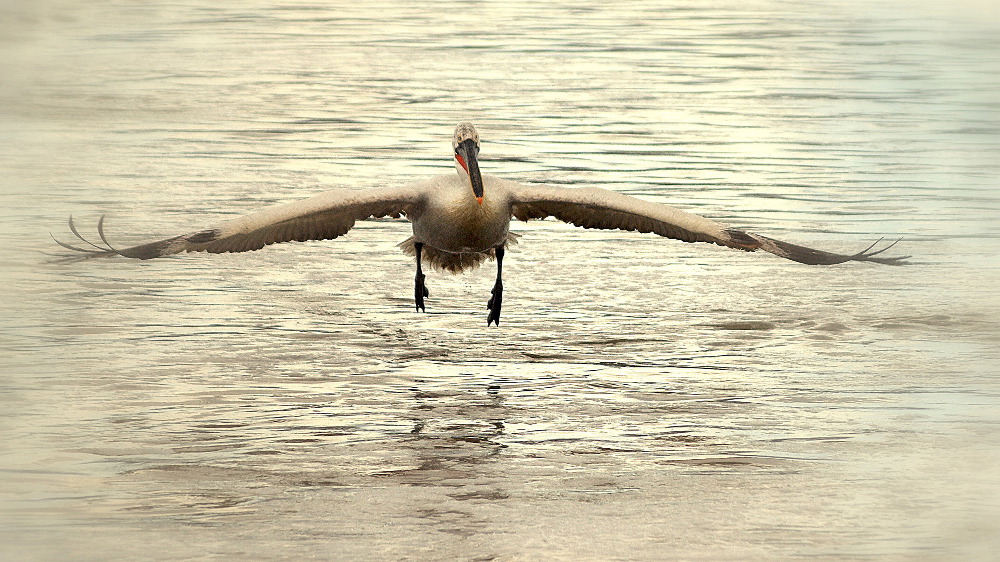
496	301
419	290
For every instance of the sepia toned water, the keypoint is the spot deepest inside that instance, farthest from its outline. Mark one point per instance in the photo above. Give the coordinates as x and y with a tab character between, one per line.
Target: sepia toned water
642	399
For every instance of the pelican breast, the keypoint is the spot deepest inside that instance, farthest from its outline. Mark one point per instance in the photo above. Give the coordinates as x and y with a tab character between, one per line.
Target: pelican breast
453	221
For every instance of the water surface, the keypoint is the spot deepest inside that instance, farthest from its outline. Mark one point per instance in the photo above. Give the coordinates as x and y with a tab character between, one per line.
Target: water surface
643	398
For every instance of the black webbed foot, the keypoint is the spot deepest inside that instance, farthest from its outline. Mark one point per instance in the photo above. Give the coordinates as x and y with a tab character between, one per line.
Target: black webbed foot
496	301
419	292
419	289
494	304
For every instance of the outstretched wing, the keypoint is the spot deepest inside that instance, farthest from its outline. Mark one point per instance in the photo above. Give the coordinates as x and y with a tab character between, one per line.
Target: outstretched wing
599	208
323	217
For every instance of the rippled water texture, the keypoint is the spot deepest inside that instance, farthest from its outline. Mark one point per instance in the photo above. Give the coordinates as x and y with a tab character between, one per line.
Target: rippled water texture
642	399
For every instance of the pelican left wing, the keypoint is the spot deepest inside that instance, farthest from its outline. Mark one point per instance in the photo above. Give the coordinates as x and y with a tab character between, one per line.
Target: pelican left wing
593	207
323	217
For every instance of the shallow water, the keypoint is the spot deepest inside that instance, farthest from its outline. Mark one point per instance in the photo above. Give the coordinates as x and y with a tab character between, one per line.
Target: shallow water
643	398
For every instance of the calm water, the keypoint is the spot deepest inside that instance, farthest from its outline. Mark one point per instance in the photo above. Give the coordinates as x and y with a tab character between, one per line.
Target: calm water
643	399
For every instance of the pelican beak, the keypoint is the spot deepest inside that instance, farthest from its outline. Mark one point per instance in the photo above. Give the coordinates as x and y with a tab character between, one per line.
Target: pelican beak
467	154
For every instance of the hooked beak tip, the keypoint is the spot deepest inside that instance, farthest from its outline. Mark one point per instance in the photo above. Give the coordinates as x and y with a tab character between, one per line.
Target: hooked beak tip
479	200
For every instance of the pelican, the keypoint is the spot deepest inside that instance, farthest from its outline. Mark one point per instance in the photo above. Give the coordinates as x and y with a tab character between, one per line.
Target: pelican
461	220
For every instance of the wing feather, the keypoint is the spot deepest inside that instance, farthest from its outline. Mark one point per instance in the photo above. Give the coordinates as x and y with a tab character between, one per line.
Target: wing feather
322	217
599	208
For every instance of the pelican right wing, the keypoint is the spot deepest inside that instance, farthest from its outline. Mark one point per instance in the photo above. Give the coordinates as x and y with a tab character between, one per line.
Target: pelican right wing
322	217
592	207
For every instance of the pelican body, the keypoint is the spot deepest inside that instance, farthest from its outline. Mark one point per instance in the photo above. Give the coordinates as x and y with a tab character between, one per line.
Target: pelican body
463	219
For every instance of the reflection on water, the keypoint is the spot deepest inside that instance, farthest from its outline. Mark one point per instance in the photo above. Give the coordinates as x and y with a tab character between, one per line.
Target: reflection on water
644	399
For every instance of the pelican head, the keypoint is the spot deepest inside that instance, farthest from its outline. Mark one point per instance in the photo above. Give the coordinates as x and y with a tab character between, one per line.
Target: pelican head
466	145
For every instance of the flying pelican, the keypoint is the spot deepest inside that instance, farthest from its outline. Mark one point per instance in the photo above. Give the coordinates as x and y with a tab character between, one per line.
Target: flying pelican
461	220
